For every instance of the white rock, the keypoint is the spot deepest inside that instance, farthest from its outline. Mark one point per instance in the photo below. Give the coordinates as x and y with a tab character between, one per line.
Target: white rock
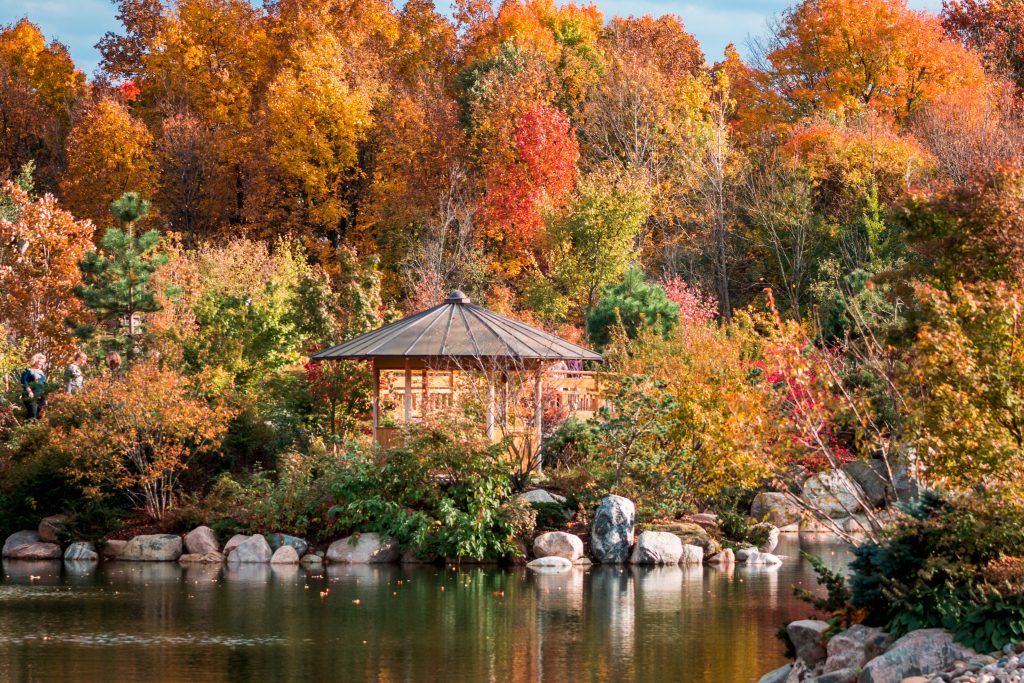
692	554
201	540
152	548
743	553
558	544
763	559
773	538
364	549
657	547
285	555
81	551
253	550
234	542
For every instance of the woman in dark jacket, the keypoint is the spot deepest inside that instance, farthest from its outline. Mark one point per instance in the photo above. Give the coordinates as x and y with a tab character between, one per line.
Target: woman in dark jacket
33	386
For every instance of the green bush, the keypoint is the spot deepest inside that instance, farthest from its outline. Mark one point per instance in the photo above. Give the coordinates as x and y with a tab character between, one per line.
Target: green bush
931	569
438	494
574	444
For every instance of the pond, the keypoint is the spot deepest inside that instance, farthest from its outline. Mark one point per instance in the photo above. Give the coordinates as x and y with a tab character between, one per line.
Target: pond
161	622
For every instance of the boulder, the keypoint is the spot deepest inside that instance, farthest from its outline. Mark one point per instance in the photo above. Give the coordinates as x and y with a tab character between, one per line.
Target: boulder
919	652
743	553
847	675
50	528
233	543
780	675
212	557
19	538
558	544
657	547
152	548
855	647
112	548
833	492
201	540
807	636
285	554
34	551
775	508
364	549
310	559
873	478
276	541
550	565
540	496
612	534
727	556
253	550
691	533
81	551
767	559
706	520
692	554
773	538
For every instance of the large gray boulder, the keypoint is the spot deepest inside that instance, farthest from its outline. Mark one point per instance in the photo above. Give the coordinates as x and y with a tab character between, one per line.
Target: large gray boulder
35	551
542	497
201	540
855	647
612	534
234	542
19	538
873	478
50	528
364	549
833	492
112	547
276	541
81	551
764	559
558	544
691	533
807	636
915	654
253	550
775	508
152	548
657	547
692	554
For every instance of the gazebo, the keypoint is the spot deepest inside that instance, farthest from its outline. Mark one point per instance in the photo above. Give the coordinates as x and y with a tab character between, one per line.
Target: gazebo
457	336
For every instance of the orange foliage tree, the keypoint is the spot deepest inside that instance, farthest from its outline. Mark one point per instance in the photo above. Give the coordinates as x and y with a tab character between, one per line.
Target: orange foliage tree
40	248
137	434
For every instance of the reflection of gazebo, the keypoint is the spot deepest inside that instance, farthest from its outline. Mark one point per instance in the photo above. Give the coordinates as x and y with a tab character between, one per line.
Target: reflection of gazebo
457	336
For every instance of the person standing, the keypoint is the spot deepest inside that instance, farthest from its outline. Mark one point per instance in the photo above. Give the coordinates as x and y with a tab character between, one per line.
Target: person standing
114	363
33	386
74	377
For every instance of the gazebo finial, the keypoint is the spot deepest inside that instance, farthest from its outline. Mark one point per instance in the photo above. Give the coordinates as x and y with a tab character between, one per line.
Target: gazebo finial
457	297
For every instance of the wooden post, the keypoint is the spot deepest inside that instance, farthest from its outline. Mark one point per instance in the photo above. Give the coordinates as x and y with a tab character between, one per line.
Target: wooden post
538	417
490	407
376	402
408	392
426	395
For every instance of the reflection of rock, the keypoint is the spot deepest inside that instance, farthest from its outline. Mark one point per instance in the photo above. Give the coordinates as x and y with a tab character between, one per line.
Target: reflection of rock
79	569
213	557
81	552
657	547
201	540
612	534
152	548
658	589
561	591
614	592
201	573
247	572
363	575
550	565
364	549
558	544
143	573
285	572
48	572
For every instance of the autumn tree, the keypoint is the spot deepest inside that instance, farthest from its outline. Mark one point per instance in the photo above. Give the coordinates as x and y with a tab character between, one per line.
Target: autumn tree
992	27
40	248
109	152
39	86
847	56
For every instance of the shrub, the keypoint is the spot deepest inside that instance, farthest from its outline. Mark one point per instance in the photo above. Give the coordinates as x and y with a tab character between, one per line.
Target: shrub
573	444
442	493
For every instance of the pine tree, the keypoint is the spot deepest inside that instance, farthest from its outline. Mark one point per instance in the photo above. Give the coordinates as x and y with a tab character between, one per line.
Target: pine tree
117	277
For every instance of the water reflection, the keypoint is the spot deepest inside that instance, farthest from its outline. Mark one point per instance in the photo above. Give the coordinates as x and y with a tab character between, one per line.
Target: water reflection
162	622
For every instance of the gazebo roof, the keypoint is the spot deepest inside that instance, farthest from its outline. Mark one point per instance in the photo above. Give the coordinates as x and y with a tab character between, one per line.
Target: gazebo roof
458	329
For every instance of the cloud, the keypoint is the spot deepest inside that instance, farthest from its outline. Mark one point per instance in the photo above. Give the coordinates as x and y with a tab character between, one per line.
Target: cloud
79	24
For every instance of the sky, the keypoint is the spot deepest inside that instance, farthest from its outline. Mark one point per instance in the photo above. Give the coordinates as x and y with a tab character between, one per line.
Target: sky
716	23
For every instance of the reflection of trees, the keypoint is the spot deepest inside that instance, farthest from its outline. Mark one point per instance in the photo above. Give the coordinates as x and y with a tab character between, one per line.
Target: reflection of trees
488	624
